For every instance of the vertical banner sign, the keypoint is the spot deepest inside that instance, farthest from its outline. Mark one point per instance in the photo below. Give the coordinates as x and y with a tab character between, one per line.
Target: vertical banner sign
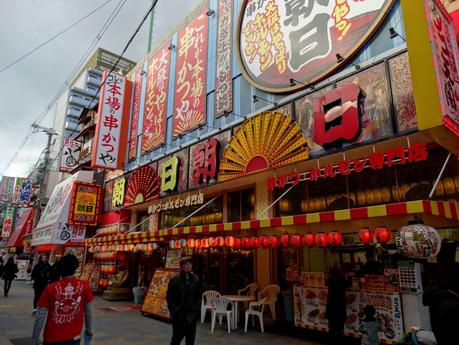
111	127
190	77
85	203
281	40
135	115
17	189
224	81
25	192
155	111
119	186
70	155
8	222
446	61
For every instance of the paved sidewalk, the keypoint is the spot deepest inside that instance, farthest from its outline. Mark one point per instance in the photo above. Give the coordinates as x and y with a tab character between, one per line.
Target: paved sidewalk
117	328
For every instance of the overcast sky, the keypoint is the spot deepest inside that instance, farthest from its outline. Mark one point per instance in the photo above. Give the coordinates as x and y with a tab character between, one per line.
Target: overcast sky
27	88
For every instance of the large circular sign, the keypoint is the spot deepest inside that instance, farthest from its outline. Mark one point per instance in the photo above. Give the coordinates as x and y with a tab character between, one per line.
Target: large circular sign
304	40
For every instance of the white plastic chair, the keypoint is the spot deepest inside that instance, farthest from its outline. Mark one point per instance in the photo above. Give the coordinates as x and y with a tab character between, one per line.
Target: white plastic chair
255	309
270	292
206	302
249	290
220	309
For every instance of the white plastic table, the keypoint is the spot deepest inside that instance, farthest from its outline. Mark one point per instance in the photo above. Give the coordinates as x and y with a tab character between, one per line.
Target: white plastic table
235	299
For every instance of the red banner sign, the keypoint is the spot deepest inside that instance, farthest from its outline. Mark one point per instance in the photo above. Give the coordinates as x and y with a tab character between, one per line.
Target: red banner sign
155	111
190	78
377	160
135	116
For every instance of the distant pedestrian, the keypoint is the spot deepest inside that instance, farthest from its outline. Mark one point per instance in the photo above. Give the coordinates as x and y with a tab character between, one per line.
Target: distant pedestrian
40	277
64	305
9	273
1	266
369	326
184	303
335	311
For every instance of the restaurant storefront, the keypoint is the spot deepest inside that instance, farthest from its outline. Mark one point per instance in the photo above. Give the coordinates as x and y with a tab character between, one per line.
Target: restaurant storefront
330	172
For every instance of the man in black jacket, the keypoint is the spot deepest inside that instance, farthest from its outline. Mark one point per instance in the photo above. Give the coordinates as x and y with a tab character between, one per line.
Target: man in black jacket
40	277
184	303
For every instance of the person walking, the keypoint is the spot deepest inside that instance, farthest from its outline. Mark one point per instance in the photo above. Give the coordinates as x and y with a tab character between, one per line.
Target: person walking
9	273
40	277
184	303
369	326
335	311
64	305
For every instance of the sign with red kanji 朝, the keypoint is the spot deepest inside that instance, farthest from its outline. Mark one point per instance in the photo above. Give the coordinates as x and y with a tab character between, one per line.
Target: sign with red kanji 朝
112	124
302	39
190	76
135	115
155	111
377	160
204	165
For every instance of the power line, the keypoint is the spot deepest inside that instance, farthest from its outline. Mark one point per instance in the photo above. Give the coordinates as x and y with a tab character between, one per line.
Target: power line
53	37
98	37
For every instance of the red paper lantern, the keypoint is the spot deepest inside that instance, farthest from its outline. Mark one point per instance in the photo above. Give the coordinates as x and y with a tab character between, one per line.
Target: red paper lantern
220	241
177	244
229	241
335	238
246	242
237	242
366	236
274	242
190	243
198	243
296	241
285	240
309	240
255	242
212	241
264	241
205	243
383	234
321	239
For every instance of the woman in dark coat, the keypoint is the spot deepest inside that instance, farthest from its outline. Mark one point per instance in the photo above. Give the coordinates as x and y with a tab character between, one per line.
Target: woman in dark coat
40	277
336	304
9	273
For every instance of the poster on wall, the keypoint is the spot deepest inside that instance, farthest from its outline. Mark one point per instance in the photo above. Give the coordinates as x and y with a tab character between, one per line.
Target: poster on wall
132	150
224	80
190	76
370	99
279	40
155	299
112	123
85	203
70	155
155	111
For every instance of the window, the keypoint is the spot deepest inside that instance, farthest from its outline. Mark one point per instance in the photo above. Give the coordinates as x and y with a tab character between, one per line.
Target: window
241	205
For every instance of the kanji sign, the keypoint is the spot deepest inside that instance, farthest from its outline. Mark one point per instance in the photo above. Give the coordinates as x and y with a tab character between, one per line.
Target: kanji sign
190	77
169	174
70	155
190	200
155	111
205	159
338	114
224	80
446	62
85	203
135	115
118	192
377	160
111	127
25	192
299	39
17	189
8	222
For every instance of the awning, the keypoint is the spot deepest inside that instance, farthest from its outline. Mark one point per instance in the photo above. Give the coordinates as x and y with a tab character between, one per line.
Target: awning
444	209
23	226
53	227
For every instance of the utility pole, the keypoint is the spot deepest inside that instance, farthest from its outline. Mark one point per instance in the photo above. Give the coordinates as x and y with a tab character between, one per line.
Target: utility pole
150	30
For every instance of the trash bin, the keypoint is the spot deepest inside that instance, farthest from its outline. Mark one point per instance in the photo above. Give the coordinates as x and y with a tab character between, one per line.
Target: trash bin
139	293
288	305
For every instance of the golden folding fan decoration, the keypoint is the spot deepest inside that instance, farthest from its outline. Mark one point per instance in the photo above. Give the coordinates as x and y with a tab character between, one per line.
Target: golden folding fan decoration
143	186
267	140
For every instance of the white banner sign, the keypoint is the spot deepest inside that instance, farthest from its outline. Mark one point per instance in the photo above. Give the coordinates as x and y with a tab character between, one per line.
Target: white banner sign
70	155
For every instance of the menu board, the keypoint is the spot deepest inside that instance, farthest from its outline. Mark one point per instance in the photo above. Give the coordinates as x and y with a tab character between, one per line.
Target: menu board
310	305
155	300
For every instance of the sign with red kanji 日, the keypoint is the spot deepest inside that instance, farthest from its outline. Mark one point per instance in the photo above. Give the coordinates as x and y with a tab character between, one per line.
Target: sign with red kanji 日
302	39
190	76
112	123
85	203
155	111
